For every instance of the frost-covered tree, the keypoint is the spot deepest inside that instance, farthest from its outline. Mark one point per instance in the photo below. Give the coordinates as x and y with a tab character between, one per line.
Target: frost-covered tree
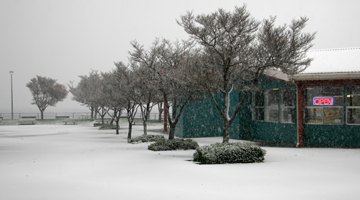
113	96
129	95
46	92
149	95
237	50
88	92
145	80
170	69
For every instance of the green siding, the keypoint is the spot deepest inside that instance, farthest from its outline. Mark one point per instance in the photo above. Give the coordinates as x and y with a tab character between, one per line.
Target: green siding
245	120
268	83
270	131
332	135
275	132
202	119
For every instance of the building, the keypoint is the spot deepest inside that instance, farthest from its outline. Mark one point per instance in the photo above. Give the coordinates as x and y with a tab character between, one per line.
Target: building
318	107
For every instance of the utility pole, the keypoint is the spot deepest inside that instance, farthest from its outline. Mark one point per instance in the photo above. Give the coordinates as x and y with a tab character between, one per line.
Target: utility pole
12	107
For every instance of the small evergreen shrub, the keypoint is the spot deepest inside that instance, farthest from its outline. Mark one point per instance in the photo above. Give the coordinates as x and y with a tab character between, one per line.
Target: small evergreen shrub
107	126
174	144
146	138
220	153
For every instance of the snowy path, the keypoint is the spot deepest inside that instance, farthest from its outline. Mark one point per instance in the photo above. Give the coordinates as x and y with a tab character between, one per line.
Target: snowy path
50	162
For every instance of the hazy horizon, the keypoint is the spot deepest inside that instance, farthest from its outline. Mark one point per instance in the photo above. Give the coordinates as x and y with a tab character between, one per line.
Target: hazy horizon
65	39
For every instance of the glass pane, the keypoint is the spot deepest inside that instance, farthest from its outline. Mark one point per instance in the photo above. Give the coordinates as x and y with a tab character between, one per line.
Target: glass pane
272	105
259	99
271	114
333	115
288	97
353	116
287	115
314	115
353	96
334	92
272	97
259	114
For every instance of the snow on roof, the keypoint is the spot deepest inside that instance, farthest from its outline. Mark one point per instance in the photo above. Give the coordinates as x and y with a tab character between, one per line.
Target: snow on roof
343	63
334	60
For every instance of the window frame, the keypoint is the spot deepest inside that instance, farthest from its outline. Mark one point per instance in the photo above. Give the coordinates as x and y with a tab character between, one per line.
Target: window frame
258	107
279	106
282	105
342	108
350	107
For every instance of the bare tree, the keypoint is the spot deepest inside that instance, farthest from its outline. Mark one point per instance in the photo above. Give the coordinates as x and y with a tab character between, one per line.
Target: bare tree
149	95
237	50
89	92
145	80
160	110
114	97
165	60
129	94
46	92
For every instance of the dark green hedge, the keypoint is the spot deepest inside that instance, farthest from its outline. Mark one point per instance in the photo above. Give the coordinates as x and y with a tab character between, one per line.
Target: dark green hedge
220	153
174	144
146	138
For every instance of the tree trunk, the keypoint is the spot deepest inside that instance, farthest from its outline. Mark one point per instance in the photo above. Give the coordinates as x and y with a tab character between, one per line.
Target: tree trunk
92	112
130	130
145	127
117	127
226	135
172	131
160	109
42	114
165	118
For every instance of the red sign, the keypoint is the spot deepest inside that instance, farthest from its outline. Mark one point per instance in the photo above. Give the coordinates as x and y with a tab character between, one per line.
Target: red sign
323	101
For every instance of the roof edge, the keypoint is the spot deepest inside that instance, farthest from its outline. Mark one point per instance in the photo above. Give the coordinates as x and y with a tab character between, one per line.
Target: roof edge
327	76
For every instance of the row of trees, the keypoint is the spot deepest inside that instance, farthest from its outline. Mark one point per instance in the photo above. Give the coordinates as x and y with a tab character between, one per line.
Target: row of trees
226	51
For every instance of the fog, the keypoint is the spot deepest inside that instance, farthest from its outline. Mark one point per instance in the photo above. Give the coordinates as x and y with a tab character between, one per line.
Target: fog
65	39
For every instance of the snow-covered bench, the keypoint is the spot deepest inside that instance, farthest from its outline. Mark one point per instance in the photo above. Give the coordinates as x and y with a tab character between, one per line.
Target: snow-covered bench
73	121
27	120
136	120
62	117
99	120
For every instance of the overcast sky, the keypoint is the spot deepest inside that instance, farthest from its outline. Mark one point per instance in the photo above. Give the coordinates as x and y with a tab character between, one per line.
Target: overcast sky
63	39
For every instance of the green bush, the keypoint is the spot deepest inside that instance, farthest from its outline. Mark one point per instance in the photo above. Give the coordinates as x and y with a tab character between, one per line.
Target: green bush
220	153
107	126
174	144
146	138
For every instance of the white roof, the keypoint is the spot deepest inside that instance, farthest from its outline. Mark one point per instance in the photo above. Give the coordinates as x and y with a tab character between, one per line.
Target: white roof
330	64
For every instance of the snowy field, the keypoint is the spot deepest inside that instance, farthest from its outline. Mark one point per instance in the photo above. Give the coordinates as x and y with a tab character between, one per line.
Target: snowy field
51	162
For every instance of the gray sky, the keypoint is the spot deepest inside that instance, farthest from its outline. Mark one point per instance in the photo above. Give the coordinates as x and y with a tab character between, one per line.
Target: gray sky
63	39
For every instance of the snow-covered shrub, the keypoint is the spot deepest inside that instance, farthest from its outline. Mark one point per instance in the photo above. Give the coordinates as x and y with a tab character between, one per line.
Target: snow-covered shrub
107	126
220	153
146	138
174	144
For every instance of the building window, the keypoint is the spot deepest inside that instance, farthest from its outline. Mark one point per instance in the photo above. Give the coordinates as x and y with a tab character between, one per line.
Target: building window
287	105
353	105
324	105
272	105
258	113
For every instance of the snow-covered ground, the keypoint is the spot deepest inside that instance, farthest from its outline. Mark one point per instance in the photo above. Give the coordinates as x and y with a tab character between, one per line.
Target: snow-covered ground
50	162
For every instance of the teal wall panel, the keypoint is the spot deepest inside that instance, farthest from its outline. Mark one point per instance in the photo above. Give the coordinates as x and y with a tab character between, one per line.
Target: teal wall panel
275	132
202	119
245	120
331	135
